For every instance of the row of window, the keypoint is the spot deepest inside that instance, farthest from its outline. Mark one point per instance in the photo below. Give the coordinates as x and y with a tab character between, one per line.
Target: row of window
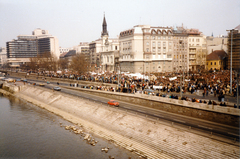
215	63
159	44
192	40
159	37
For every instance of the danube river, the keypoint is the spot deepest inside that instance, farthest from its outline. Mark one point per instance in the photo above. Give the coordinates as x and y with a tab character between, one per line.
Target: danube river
27	131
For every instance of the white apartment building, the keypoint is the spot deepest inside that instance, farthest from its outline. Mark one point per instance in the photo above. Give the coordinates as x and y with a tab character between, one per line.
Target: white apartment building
197	50
3	56
216	43
146	49
63	50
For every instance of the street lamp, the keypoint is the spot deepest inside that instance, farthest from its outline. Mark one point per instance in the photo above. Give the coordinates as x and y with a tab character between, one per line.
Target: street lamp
231	61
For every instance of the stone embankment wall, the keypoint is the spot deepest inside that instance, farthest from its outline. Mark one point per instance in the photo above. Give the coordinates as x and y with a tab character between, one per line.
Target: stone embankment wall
10	87
215	113
151	139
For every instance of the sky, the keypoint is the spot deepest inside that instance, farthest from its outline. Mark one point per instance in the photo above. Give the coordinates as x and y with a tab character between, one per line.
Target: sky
75	21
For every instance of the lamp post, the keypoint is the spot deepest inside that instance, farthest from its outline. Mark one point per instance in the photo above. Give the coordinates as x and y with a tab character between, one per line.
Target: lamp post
231	61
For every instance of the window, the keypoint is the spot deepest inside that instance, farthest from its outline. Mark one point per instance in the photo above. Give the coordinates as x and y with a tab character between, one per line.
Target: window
147	50
197	40
115	47
154	56
153	44
154	49
159	44
211	63
164	43
147	37
170	44
164	37
159	37
159	49
189	40
207	63
164	50
214	63
169	56
153	37
192	40
169	49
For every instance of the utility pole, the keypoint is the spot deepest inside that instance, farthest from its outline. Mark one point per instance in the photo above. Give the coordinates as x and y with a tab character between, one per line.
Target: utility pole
231	62
236	75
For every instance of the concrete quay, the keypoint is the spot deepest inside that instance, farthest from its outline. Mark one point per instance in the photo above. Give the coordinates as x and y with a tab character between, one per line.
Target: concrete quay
214	113
150	139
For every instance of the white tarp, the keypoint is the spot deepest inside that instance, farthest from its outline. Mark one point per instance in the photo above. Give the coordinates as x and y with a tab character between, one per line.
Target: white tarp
157	87
173	78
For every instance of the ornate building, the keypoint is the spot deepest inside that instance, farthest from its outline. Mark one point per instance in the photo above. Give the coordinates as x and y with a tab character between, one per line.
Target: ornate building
104	51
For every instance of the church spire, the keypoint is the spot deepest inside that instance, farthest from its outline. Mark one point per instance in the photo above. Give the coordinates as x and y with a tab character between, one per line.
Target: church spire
104	27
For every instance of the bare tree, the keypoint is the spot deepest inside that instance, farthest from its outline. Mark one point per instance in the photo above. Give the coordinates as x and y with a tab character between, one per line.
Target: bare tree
33	63
79	64
63	63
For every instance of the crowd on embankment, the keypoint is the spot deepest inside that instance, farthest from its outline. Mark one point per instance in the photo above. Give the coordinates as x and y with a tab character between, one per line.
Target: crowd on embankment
214	83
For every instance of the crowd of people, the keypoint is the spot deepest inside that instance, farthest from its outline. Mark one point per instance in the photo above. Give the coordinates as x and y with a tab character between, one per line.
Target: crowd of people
215	83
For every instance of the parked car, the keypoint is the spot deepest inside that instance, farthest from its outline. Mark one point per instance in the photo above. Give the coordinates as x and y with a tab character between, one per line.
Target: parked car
113	102
57	88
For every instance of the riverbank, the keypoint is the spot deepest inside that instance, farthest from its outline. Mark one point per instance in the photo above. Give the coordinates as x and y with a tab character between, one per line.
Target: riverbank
135	133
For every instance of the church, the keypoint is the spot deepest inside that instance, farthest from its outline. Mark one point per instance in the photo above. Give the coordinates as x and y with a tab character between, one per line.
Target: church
104	52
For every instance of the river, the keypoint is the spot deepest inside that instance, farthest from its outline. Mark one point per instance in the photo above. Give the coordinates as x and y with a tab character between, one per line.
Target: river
27	131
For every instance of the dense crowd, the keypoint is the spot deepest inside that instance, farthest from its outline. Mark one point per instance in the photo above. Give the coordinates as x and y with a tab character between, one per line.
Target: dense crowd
215	83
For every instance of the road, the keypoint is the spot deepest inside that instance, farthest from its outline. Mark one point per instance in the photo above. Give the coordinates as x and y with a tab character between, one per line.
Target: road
192	124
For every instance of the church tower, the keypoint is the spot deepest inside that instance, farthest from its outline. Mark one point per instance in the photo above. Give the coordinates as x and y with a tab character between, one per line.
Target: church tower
105	42
104	27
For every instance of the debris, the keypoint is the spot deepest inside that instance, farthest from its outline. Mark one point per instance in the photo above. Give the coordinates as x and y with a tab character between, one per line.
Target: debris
105	149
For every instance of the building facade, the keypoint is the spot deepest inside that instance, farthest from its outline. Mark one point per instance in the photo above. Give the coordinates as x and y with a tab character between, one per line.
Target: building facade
3	56
216	60
234	49
180	54
103	52
63	50
197	50
146	49
216	43
19	51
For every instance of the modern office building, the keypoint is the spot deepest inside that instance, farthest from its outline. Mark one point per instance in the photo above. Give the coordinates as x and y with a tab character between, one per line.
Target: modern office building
19	51
234	49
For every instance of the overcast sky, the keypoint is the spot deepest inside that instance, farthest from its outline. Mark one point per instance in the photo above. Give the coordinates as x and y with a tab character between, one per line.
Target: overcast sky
75	21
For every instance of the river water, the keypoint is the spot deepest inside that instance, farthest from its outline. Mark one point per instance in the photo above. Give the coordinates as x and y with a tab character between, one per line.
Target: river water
27	131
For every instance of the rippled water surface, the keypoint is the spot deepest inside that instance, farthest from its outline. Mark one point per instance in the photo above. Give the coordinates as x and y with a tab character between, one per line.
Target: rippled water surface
27	131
